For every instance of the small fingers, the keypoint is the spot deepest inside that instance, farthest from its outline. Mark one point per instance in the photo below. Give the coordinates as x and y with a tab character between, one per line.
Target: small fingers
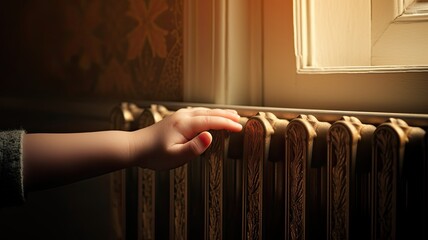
226	113
199	124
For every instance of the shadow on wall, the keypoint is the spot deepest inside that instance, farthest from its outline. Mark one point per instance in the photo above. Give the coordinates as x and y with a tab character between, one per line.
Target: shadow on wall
75	211
96	49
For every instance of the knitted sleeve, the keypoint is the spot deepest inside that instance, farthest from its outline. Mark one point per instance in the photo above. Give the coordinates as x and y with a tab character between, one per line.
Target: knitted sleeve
11	177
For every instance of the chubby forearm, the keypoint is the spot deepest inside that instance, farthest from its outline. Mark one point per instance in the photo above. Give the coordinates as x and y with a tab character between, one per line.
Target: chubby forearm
56	159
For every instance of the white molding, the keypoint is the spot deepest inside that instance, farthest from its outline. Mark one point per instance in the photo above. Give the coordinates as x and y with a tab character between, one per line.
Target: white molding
301	33
320	44
284	87
364	69
395	47
325	32
416	12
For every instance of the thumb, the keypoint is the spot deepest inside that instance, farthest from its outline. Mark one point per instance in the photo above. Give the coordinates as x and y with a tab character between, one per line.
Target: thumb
197	145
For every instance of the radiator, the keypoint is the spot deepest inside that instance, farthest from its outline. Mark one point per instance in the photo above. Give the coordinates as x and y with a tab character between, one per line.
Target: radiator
290	174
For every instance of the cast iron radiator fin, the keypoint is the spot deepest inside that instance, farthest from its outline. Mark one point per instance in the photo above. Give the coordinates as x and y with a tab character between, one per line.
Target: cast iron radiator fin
282	177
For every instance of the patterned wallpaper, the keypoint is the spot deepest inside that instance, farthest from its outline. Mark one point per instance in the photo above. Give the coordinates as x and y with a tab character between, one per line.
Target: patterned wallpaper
113	49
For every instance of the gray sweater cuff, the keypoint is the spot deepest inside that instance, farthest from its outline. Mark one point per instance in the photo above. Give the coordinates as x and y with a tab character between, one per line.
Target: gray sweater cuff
11	174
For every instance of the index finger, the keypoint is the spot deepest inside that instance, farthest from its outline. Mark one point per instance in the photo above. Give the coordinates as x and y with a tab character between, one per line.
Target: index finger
199	124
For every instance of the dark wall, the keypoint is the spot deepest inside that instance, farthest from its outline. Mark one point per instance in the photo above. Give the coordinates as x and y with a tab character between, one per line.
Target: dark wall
92	48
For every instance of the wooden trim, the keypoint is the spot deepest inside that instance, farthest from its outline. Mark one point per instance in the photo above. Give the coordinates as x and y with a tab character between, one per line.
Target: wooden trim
223	52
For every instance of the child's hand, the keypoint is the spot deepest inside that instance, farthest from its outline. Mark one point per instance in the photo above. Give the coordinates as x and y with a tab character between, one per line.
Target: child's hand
180	137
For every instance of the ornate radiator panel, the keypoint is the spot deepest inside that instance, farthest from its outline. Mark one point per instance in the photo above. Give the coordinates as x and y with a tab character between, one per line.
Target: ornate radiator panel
305	148
257	133
214	159
285	176
348	179
399	182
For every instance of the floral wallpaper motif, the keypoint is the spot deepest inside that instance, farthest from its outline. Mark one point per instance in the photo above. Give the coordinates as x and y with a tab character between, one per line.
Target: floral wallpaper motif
147	29
93	48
